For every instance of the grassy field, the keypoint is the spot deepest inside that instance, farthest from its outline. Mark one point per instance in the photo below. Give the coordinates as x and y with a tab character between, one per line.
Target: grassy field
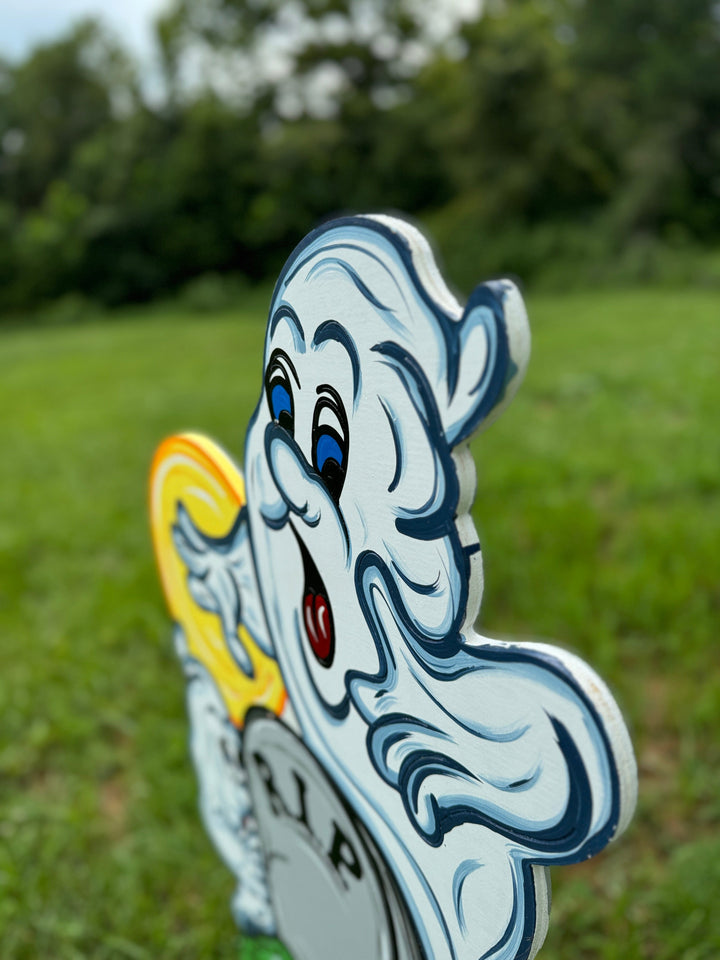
598	508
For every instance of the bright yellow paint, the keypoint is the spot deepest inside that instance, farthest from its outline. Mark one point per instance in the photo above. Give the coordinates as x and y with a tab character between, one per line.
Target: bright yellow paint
193	469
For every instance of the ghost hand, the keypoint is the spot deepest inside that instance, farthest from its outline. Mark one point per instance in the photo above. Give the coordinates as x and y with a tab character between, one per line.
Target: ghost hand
215	575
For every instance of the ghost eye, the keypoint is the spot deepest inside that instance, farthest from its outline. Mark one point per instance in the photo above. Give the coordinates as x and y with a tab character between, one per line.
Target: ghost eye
330	440
280	401
278	389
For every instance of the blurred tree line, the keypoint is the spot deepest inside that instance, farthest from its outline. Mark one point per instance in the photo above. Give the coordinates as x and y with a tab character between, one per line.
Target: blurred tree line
539	136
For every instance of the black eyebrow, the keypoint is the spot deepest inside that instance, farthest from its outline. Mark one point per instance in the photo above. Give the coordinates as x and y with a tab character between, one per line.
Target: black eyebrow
332	330
279	354
331	391
284	311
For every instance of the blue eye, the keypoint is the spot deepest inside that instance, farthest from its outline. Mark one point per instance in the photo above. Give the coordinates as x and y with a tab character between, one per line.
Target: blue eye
278	390
328	449
280	401
330	440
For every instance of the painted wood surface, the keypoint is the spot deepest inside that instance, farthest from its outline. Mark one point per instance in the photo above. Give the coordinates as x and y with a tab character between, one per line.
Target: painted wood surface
382	780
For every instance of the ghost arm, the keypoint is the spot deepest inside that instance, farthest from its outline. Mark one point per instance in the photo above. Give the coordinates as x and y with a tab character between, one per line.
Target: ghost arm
221	580
225	801
508	758
523	739
550	778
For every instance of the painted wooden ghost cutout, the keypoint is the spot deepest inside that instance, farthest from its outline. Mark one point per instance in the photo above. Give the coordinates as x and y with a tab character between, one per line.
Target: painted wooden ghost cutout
381	780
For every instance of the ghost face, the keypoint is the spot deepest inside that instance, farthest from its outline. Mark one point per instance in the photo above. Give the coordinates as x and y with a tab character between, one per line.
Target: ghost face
337	452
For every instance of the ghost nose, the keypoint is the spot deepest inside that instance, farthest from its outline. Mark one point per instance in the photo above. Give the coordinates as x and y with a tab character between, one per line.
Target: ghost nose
298	486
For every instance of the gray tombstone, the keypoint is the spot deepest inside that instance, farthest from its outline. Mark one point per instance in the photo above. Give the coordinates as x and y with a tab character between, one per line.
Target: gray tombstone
332	893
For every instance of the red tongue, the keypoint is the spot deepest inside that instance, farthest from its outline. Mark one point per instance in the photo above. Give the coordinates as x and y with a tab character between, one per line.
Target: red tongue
318	624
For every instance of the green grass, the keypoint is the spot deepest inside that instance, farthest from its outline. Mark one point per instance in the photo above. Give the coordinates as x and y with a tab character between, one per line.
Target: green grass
599	512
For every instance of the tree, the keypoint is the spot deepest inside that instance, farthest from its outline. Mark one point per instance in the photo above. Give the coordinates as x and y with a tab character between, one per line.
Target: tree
309	56
53	101
653	65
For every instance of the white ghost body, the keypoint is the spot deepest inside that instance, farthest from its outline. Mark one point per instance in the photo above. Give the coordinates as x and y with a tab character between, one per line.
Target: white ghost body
472	763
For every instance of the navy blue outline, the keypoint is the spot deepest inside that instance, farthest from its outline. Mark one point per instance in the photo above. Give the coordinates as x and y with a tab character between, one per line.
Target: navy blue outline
449	658
222	545
512	922
398	448
356	279
332	330
287	276
273	431
287	312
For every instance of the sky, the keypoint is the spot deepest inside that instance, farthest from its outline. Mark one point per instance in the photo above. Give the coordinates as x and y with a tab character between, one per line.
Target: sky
27	23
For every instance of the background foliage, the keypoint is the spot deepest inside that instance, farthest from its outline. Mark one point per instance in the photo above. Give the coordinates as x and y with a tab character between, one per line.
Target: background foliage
557	138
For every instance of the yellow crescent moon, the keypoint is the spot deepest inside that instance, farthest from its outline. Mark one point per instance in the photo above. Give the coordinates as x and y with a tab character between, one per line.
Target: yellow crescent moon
189	467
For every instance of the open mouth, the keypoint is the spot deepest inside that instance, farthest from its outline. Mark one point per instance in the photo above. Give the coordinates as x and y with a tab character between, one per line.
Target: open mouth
317	615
